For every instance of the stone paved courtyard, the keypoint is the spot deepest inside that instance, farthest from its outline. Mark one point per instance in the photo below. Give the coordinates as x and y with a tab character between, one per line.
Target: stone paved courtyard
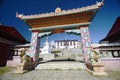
60	75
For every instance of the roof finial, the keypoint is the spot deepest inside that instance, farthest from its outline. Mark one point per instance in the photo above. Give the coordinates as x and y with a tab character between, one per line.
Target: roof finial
99	4
57	10
18	15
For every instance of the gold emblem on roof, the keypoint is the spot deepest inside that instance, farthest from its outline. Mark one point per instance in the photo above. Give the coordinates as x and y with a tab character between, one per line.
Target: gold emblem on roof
57	10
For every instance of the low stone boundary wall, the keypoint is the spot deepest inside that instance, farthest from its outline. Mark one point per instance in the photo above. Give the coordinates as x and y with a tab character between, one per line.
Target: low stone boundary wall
112	64
14	62
46	56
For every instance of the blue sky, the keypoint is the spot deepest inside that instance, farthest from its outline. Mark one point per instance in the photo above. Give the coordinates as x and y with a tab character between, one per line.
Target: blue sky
99	27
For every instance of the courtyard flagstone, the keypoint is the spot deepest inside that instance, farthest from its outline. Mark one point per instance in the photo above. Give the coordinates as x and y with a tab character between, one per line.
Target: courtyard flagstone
59	75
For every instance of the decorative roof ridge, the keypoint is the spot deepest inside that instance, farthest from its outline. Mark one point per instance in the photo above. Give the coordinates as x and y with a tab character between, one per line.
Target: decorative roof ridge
59	12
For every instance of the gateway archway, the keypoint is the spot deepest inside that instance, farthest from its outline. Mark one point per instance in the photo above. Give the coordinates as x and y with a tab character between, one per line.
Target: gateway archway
75	20
61	47
57	41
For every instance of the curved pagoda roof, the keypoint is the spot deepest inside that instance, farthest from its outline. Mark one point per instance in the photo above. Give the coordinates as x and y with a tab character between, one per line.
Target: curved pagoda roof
64	19
114	34
9	34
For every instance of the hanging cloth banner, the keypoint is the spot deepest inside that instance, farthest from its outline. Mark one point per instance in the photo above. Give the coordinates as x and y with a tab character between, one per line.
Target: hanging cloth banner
44	34
73	31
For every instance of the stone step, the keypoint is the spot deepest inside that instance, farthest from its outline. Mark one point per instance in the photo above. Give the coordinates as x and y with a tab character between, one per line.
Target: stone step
61	65
68	52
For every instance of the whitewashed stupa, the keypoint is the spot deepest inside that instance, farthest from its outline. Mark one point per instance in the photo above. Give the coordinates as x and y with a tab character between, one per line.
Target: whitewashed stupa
46	48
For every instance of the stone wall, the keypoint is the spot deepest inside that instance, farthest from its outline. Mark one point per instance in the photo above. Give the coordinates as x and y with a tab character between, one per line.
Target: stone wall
112	64
14	62
46	56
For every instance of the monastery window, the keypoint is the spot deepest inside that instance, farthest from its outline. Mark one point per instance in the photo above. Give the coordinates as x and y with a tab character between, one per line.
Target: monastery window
61	43
74	42
70	42
15	53
115	54
57	43
119	53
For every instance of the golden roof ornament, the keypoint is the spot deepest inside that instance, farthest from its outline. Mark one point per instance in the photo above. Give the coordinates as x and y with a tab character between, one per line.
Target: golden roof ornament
57	10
